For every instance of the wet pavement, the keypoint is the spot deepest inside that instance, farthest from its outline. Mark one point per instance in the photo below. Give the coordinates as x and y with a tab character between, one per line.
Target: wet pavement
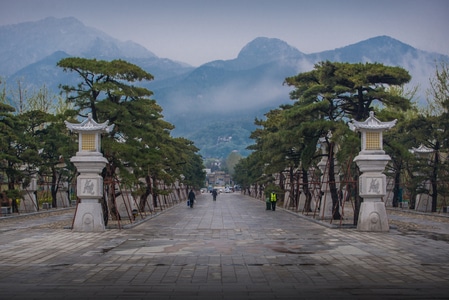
231	248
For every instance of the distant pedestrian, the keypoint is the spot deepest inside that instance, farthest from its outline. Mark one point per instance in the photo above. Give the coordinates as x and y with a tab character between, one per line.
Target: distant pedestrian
4	201
191	198
268	203
214	194
273	199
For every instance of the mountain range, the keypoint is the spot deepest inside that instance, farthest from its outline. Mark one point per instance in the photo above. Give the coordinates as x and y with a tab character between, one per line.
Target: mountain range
214	104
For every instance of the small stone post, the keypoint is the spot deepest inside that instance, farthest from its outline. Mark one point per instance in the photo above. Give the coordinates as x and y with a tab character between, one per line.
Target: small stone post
29	203
89	162
372	183
423	202
326	206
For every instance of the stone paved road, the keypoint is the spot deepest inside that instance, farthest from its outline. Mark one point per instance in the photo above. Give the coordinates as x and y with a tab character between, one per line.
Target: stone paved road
229	249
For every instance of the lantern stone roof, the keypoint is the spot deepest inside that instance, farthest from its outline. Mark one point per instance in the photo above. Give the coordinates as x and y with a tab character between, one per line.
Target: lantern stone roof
372	123
89	125
422	149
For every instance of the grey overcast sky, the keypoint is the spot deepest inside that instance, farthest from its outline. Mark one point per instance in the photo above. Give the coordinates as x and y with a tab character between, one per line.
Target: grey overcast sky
199	31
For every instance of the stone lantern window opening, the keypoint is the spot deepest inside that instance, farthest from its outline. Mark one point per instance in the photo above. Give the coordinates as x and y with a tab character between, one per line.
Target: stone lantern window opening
372	132
89	142
372	140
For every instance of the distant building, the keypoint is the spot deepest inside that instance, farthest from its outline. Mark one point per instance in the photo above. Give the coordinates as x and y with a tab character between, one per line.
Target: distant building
218	178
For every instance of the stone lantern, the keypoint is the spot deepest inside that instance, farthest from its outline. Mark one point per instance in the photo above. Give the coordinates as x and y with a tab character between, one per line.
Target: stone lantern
89	162
372	183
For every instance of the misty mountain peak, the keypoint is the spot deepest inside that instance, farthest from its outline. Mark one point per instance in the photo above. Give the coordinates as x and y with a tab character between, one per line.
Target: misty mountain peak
65	21
383	49
268	49
387	40
384	45
29	42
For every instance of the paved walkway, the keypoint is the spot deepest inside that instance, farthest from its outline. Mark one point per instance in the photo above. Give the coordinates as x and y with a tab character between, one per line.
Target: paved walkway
229	249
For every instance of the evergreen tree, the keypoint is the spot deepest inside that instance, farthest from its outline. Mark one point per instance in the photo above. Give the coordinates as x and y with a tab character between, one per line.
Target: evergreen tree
56	147
431	129
140	145
338	92
8	137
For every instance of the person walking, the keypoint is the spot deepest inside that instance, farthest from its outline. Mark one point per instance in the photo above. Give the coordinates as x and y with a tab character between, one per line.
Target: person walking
191	198
273	199
214	194
268	202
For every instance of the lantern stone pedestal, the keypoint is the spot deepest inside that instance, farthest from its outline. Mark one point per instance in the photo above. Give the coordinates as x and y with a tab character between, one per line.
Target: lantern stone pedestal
89	189
89	163
372	183
372	187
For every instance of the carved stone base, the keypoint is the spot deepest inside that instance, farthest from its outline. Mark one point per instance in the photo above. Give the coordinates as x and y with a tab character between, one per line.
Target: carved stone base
125	204
326	206
423	203
373	217
89	217
28	204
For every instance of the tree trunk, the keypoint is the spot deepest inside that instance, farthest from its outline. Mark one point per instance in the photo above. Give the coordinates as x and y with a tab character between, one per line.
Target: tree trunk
108	201
297	191
358	200
333	186
154	189
292	197
54	187
436	162
397	182
11	177
306	190
144	197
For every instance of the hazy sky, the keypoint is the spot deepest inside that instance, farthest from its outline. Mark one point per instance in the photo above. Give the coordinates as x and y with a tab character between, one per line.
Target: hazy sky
199	31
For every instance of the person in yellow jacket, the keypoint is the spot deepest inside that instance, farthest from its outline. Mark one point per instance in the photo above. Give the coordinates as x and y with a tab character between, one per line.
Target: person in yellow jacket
273	199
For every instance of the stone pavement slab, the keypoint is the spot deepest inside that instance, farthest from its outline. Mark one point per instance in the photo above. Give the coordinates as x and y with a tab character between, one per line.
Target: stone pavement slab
231	248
